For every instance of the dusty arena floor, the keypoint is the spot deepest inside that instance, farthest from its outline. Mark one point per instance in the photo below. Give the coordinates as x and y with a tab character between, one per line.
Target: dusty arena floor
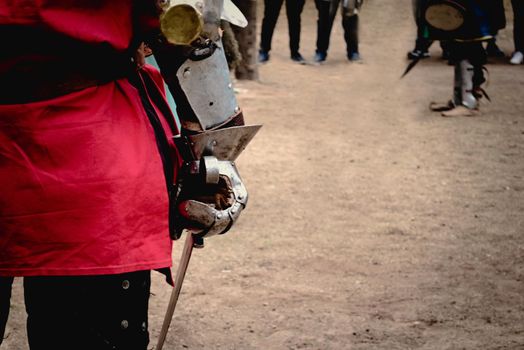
373	223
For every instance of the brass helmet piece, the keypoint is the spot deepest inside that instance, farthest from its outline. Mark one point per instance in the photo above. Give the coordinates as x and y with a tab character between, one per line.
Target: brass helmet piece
181	24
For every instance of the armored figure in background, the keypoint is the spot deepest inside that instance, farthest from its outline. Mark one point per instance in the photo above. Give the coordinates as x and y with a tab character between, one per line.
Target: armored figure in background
465	25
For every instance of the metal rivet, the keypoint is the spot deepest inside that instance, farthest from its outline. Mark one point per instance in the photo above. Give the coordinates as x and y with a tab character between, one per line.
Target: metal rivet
240	196
229	85
144	327
233	210
125	284
214	143
187	73
237	109
219	216
124	324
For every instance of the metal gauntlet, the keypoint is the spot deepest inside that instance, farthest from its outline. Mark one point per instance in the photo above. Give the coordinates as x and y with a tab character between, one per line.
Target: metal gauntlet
212	194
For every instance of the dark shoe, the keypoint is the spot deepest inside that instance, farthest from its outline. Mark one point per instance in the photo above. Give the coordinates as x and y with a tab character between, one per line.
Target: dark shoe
263	56
418	54
354	57
441	107
320	57
492	50
297	57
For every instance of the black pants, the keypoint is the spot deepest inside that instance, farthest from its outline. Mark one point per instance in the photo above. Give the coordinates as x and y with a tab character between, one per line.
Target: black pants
421	43
271	11
88	312
325	24
518	24
5	303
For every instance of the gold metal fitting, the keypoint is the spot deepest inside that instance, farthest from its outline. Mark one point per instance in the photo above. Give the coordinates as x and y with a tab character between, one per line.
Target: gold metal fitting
181	24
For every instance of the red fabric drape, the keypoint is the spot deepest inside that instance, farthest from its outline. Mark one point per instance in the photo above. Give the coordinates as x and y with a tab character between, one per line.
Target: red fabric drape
83	186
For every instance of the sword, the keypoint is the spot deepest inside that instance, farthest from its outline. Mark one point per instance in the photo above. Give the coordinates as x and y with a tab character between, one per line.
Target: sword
413	63
190	242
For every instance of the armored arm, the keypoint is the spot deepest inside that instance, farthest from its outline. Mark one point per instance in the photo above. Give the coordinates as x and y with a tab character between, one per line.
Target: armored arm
211	194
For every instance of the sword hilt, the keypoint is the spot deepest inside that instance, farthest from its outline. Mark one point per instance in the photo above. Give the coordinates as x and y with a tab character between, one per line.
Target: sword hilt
198	242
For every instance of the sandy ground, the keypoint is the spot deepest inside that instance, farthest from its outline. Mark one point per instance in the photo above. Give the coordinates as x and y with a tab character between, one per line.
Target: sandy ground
373	223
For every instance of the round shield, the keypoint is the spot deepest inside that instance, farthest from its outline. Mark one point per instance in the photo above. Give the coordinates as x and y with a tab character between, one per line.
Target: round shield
445	16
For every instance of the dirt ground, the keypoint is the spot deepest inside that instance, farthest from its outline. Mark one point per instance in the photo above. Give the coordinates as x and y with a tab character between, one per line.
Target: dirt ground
373	223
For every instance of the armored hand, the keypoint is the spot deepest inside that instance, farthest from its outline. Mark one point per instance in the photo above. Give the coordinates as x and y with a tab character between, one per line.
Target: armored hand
212	194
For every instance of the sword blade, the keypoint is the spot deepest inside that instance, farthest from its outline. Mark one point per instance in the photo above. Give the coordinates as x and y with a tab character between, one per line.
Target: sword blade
410	66
175	293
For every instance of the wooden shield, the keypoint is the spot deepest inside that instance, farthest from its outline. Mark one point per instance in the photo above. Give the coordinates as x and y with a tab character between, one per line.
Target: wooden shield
446	16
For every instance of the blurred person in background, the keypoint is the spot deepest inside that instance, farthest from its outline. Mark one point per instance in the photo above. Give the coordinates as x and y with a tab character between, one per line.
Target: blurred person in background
492	49
518	31
465	25
327	10
271	12
422	44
